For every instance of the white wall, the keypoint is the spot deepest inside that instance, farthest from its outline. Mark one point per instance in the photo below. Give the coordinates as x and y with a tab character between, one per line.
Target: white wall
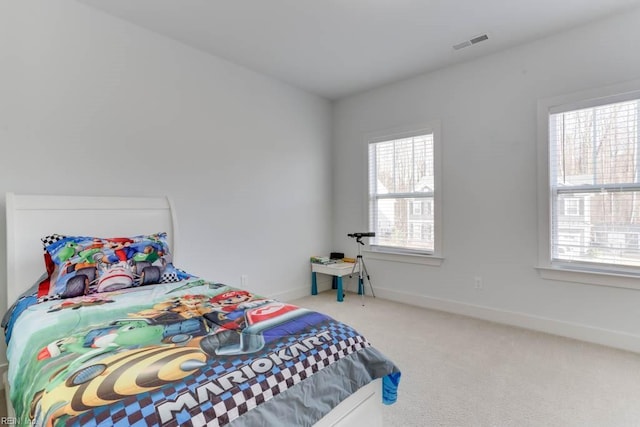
488	113
90	104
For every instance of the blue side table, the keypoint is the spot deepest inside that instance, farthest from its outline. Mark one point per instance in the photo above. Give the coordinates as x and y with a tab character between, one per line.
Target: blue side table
337	270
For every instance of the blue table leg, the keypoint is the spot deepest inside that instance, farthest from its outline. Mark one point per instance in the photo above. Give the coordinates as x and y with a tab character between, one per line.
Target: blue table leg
314	284
340	294
360	286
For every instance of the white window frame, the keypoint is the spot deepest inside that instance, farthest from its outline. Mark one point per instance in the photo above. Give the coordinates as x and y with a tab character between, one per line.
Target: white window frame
392	254
573	208
416	208
589	274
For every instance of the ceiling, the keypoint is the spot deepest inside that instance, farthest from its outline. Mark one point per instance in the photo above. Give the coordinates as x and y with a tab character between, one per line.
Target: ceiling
335	48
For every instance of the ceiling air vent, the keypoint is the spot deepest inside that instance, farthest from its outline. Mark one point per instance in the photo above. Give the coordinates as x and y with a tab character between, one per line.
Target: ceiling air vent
474	40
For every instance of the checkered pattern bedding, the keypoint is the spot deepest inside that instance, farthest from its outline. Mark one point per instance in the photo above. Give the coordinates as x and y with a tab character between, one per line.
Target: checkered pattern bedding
192	353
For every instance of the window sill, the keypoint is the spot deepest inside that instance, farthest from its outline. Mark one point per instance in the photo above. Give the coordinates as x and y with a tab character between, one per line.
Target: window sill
618	280
432	260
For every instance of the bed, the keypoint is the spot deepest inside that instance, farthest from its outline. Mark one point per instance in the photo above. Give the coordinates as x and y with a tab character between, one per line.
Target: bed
114	333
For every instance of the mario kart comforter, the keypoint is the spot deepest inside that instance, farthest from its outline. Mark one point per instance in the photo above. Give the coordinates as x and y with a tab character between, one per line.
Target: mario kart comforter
187	353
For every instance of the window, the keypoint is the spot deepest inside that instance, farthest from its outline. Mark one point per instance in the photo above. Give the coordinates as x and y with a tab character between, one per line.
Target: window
593	185
417	208
402	191
429	208
571	207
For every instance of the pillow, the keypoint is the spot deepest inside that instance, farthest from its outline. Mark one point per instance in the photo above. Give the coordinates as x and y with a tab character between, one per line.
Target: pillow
80	265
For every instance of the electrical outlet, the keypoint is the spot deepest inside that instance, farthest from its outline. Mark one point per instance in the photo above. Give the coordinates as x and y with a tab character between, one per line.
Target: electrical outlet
244	280
477	281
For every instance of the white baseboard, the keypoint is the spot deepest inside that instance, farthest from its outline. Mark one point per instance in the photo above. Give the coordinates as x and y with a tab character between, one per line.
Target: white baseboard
324	284
292	294
610	338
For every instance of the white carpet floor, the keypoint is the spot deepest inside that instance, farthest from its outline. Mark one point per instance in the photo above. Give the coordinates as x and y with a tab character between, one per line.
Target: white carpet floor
459	371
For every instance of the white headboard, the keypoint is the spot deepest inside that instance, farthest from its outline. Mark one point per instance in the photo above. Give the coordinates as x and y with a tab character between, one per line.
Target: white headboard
30	217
